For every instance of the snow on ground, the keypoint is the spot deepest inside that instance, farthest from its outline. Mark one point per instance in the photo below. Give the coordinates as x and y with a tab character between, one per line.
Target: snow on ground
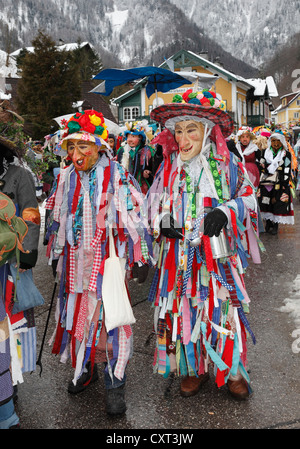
292	304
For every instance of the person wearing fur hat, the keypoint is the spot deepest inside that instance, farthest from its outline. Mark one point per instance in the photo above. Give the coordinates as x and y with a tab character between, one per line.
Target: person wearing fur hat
203	215
17	184
93	195
136	155
274	193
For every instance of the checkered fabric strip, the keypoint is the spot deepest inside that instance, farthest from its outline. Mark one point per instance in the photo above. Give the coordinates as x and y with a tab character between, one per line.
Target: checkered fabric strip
153	286
127	330
123	353
72	265
50	202
96	245
87	222
81	319
71	276
144	249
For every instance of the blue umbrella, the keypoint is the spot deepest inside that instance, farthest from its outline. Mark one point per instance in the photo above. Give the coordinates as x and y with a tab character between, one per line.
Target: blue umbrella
159	79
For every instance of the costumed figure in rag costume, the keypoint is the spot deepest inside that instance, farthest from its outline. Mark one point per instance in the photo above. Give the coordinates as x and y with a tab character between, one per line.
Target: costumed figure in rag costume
12	233
17	289
93	195
135	155
274	193
204	219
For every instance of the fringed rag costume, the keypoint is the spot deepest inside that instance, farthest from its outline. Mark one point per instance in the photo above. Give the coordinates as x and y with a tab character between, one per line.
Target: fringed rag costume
17	183
84	205
200	301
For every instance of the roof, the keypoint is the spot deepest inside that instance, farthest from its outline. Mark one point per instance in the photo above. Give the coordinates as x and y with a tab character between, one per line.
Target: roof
207	63
292	96
95	101
66	47
260	86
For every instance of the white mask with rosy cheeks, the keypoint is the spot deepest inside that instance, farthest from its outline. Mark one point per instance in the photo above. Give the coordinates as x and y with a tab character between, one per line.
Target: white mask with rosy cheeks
83	154
189	136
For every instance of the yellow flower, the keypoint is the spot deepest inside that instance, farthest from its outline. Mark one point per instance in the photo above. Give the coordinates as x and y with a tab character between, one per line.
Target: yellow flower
95	120
104	134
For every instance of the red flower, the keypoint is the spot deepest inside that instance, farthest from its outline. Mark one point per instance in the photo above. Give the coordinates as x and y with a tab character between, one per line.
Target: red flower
186	95
205	101
85	124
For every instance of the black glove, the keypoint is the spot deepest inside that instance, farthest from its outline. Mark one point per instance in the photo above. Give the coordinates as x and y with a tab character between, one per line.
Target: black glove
28	260
214	222
170	228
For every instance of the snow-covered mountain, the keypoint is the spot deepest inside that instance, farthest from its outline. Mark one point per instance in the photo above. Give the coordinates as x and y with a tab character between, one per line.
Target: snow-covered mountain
133	32
252	30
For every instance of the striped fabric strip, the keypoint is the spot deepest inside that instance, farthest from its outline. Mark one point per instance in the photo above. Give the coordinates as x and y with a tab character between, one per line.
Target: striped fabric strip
28	348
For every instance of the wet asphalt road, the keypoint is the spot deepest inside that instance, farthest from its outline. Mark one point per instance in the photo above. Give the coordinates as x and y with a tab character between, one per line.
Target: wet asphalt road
44	403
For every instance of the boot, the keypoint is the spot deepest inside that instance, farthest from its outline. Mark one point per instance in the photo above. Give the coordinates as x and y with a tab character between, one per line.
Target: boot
275	229
115	401
238	388
83	379
190	385
268	225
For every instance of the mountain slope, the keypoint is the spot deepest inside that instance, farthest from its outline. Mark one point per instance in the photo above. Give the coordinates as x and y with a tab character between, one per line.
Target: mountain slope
128	33
249	29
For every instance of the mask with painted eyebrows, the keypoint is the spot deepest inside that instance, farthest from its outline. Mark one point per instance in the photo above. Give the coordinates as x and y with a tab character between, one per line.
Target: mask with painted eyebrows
189	136
83	154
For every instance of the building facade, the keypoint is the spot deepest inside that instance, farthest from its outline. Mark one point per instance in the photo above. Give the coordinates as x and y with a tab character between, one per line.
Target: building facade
288	112
248	101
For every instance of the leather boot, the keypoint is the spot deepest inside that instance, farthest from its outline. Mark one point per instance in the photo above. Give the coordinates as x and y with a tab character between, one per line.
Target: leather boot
238	388
190	385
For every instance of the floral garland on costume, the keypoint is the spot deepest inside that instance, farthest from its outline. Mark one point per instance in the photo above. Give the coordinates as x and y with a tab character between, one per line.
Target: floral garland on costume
206	98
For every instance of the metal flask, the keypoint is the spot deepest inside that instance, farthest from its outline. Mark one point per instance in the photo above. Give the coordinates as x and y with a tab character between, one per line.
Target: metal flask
220	245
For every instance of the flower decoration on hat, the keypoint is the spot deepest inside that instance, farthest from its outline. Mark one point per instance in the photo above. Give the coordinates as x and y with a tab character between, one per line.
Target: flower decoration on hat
205	98
137	128
245	129
88	121
87	125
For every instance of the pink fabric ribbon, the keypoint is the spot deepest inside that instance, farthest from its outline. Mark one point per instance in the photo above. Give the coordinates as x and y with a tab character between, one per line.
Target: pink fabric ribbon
218	138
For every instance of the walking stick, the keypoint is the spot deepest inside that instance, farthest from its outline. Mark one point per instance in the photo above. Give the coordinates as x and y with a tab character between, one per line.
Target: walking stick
39	360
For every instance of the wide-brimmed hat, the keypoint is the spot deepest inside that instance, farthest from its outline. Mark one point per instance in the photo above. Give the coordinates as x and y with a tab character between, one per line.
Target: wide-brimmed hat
88	125
206	106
